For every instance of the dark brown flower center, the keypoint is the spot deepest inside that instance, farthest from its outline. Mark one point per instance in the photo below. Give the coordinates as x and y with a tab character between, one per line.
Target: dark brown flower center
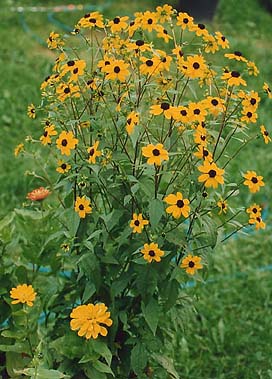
116	20
185	20
64	166
45	134
214	102
156	152
201	26
235	74
81	207
139	42
64	142
136	222
249	114
92	20
71	63
196	65
151	253
75	71
253	101
183	112
238	53
191	264
150	21
91	152
165	106
212	173
149	63
223	38
66	90
254	210
196	111
116	69
180	203
254	180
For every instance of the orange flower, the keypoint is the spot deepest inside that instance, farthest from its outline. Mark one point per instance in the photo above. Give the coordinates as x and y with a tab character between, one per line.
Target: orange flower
23	294
38	194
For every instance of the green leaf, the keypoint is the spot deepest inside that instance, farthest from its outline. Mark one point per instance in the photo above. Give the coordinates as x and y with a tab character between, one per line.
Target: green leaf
156	210
102	367
102	349
88	292
151	314
34	215
17	348
42	373
167	364
138	358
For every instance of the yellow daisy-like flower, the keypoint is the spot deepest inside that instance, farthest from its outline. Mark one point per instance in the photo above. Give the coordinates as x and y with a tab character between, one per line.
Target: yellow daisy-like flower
63	167
163	33
18	149
54	41
250	101
211	174
38	194
156	154
252	68
223	206
249	116
75	68
265	134
152	252
67	90
267	90
253	181
185	21
214	105
66	142
233	78
222	40
200	136
203	153
164	108
191	264
149	21
258	222
117	70
31	111
194	67
254	210
48	132
90	319
211	44
197	112
178	205
164	13
90	20
138	46
93	152
200	30
23	293
118	24
237	55
150	65
82	206
132	121
138	223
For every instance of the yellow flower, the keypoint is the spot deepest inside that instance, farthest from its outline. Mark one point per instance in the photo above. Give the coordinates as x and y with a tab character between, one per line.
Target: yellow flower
23	294
90	319
233	78
194	67
254	210
48	132
117	70
156	154
214	105
149	21
221	40
164	108
138	223
66	142
93	152
223	206
163	33
18	149
203	153
211	45
178	205
191	264
200	136
31	112
265	134
267	90
150	65
249	116
164	13
237	55
211	174
185	21
132	121
197	112
200	30
67	90
253	181
152	252
118	24
63	167
252	68
54	41
82	206
90	20
75	68
259	224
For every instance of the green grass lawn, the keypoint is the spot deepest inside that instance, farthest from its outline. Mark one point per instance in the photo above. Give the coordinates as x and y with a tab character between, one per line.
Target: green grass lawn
229	334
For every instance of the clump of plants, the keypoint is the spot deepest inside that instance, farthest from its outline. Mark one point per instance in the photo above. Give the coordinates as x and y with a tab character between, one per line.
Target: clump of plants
140	123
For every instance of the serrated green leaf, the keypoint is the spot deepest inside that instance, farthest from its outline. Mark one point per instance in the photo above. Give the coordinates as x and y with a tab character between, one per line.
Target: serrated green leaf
138	358
151	313
156	210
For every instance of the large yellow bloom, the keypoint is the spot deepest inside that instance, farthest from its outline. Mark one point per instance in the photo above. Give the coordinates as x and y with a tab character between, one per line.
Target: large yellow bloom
156	154
66	142
178	205
23	294
212	175
152	252
191	264
253	181
89	320
82	206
